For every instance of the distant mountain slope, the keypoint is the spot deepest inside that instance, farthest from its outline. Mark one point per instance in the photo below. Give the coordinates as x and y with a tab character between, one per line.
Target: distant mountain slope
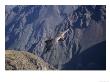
22	60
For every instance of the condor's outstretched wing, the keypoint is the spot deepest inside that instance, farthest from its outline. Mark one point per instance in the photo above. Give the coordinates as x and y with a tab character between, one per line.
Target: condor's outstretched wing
60	36
48	45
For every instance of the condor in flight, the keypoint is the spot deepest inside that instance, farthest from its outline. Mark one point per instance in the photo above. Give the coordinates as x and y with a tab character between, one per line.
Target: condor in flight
50	42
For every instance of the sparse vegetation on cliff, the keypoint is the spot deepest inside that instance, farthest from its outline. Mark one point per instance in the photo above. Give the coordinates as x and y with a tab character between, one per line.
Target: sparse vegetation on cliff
22	60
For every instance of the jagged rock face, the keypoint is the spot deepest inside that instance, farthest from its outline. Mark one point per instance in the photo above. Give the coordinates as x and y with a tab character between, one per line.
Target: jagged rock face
27	27
22	60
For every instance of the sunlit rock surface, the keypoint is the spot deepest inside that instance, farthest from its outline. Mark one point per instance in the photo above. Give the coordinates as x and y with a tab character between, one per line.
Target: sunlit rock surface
22	60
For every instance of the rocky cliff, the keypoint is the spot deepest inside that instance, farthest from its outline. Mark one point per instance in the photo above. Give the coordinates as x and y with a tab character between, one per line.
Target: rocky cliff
22	60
